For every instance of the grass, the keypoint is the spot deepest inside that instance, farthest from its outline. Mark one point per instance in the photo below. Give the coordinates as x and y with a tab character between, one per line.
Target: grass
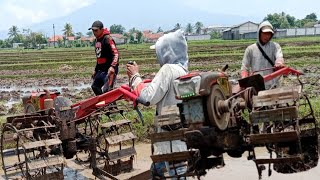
300	52
315	104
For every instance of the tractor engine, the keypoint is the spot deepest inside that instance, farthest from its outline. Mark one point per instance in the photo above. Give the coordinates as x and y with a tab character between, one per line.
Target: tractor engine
213	126
213	111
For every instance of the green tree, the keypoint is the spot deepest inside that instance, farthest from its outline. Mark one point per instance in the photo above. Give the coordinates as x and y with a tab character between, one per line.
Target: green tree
299	23
131	38
310	24
274	19
33	39
5	43
13	32
132	30
280	20
215	35
14	35
89	33
159	30
291	20
198	27
189	28
313	17
79	35
60	42
117	29
139	36
67	31
284	24
177	26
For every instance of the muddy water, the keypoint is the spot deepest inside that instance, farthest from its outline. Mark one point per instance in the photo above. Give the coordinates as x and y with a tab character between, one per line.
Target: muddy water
30	89
70	173
13	94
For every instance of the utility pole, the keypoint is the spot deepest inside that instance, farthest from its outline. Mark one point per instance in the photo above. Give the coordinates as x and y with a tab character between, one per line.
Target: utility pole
54	37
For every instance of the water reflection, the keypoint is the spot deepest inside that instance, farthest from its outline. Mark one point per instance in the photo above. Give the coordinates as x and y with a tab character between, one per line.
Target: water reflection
73	174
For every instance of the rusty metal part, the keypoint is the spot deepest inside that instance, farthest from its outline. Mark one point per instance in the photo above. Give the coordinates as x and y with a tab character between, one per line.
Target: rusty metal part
256	81
293	140
38	149
48	136
274	137
115	144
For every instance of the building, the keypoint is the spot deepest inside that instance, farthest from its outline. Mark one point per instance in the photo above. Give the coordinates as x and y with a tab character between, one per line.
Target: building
214	28
53	41
237	31
87	39
150	37
198	37
17	45
118	38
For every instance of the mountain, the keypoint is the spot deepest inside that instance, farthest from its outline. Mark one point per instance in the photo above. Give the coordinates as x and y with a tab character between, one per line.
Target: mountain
164	14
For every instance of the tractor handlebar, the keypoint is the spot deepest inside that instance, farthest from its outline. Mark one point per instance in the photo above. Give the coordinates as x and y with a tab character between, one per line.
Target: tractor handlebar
282	71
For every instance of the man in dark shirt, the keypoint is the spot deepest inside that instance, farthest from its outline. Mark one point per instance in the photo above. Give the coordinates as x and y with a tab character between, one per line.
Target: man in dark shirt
107	65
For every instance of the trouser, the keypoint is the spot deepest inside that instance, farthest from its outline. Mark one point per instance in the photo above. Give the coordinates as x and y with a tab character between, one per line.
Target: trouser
100	83
158	169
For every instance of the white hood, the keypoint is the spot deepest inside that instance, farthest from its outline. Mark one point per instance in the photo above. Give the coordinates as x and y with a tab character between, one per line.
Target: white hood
172	48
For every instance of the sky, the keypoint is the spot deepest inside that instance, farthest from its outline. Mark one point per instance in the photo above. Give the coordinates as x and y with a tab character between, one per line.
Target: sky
27	12
297	8
144	13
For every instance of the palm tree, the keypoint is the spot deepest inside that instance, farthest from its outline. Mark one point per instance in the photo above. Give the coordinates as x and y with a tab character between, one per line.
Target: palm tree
79	35
177	26
14	35
89	33
159	30
198	27
67	31
132	30
13	32
189	28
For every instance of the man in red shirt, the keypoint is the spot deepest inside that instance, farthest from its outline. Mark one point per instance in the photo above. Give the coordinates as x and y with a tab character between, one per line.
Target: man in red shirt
107	65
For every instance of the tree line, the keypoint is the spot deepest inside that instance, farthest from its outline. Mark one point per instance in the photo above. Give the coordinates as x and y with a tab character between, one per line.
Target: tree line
285	21
30	39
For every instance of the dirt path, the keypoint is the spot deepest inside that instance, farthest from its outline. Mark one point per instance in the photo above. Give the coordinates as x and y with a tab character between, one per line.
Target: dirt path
79	171
235	169
242	169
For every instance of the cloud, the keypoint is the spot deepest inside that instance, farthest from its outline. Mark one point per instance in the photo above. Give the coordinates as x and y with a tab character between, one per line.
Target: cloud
261	8
21	12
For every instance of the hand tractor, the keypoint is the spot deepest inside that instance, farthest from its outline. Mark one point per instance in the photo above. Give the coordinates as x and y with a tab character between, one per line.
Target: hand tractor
216	118
35	145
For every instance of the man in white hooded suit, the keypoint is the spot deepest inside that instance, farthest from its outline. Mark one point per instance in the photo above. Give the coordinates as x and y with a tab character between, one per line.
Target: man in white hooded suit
172	55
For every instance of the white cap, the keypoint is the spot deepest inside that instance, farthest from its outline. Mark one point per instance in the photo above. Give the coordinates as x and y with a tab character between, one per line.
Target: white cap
153	47
267	29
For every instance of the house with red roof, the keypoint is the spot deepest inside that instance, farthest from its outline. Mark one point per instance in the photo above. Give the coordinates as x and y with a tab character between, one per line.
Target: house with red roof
119	38
53	41
150	37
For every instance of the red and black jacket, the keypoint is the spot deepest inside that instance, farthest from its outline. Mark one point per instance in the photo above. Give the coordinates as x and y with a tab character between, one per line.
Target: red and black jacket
106	52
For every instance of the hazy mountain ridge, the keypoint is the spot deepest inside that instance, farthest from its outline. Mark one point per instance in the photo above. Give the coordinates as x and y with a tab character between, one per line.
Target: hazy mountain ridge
134	15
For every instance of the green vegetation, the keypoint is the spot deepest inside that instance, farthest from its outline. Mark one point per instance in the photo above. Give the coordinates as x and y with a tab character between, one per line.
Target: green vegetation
212	53
300	53
283	20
